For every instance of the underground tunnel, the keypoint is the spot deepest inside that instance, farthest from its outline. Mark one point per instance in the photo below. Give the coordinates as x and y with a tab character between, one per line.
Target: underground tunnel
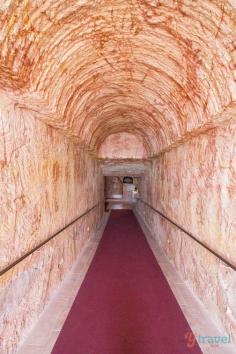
117	176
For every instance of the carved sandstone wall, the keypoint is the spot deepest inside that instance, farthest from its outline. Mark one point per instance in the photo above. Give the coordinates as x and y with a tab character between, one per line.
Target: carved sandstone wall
162	70
113	186
45	183
195	186
122	146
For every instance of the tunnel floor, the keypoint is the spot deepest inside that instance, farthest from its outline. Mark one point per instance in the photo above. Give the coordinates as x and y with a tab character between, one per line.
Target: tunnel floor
125	305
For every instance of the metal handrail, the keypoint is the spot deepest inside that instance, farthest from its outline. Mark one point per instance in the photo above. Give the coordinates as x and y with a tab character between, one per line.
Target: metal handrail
12	265
190	235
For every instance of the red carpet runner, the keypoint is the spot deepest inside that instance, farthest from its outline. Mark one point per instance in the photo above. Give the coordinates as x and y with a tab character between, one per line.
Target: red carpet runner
125	305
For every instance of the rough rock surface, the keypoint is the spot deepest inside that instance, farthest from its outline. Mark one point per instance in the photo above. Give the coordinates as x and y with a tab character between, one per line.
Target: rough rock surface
161	70
122	146
195	186
46	182
155	68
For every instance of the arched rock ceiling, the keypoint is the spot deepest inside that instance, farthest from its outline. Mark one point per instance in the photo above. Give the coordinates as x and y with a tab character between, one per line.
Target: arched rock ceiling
158	69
